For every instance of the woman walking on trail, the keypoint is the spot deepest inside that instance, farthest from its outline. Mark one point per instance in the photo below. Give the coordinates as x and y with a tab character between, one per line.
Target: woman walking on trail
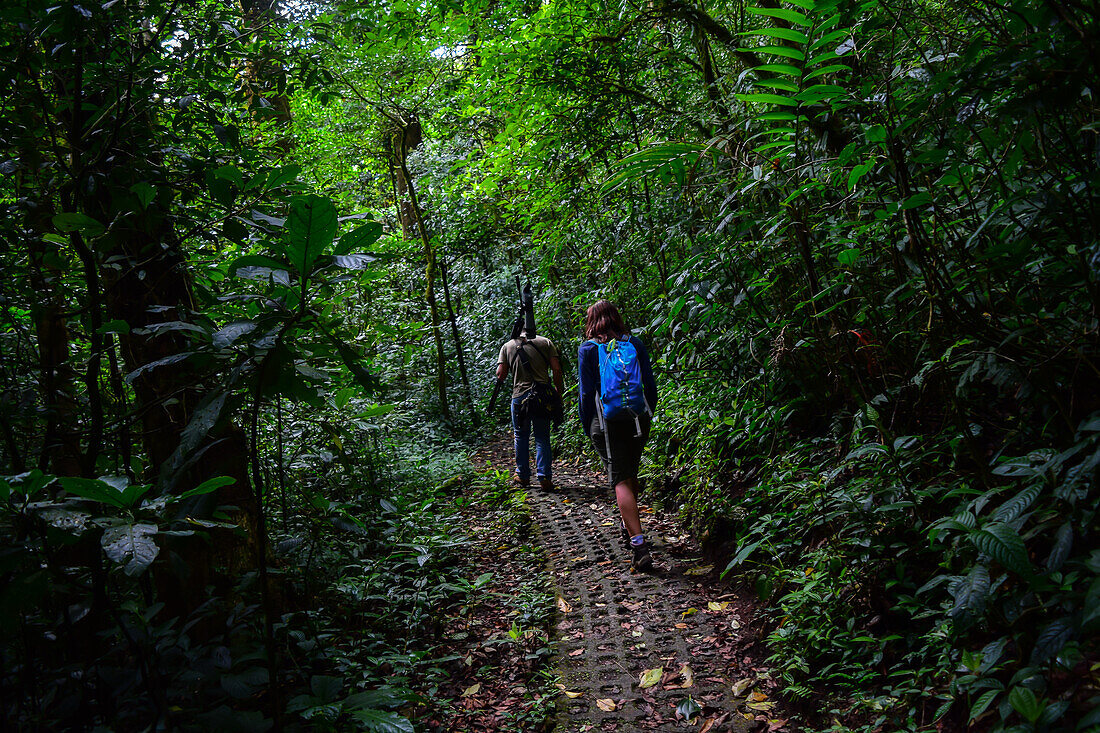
619	441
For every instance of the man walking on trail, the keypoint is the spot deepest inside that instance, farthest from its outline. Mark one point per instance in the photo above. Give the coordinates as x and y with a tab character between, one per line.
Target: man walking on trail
617	397
532	362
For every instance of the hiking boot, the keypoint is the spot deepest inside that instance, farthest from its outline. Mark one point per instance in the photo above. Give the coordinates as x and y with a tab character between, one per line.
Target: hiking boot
625	534
522	482
546	484
642	560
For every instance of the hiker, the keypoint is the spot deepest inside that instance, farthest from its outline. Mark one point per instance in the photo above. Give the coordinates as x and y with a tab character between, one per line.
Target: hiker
534	402
617	430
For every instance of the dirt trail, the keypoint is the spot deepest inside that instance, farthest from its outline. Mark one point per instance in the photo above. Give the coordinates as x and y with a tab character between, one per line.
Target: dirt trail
614	624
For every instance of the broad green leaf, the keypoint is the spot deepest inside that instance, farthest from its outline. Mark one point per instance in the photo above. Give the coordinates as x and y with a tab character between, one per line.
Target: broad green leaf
230	173
1090	616
783	34
819	92
971	593
849	256
377	721
359	238
786	69
766	99
360	261
207	486
1004	544
131	544
1025	703
1017	505
166	361
858	172
743	554
77	222
1051	640
93	489
791	16
982	703
281	176
257	261
229	334
115	326
783	85
828	39
145	193
310	229
326	688
787	51
830	69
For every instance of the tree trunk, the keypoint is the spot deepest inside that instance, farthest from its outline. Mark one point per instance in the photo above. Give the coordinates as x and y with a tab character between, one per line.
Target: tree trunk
404	137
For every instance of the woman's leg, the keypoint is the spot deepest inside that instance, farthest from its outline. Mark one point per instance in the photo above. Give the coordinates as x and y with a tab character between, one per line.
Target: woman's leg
626	496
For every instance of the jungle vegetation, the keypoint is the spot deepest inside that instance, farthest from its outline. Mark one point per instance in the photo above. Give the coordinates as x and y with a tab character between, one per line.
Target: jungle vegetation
258	259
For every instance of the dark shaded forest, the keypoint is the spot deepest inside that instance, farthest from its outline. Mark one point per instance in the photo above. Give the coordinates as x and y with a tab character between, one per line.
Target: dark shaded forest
259	258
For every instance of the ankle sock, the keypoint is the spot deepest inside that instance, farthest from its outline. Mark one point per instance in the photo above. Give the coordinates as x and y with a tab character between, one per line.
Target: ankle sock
637	541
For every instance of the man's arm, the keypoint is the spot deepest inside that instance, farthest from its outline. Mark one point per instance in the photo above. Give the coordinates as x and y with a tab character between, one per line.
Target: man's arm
502	370
559	380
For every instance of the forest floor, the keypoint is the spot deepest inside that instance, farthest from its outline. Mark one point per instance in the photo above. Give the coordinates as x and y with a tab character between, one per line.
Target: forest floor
670	649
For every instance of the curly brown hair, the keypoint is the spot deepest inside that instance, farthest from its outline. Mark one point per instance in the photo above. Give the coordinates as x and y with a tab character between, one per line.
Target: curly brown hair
602	322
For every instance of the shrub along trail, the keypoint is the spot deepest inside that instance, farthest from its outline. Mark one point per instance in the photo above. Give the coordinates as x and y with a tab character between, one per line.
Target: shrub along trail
672	649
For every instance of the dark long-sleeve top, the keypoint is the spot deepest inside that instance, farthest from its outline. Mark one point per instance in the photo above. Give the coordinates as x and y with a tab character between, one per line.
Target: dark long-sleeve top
588	377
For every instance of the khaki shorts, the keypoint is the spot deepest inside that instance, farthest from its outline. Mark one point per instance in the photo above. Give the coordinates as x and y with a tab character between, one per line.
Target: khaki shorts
626	448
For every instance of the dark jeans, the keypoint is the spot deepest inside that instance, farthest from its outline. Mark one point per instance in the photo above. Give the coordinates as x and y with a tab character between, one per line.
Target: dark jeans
522	430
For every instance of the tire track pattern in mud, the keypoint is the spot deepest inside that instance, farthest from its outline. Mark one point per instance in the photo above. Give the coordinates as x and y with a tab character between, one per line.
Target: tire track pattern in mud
615	624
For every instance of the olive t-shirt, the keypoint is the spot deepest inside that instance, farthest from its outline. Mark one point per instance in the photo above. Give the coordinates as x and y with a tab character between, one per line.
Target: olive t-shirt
539	350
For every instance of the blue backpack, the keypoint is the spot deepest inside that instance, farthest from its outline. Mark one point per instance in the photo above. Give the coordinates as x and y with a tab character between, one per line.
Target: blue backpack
622	395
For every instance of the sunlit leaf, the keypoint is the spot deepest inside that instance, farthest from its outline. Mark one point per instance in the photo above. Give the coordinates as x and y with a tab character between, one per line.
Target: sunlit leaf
650	677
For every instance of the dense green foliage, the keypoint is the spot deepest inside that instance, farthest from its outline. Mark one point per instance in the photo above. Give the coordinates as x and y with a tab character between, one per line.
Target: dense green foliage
258	264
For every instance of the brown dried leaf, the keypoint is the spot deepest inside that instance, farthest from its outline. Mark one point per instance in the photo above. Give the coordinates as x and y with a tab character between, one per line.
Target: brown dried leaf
687	676
740	686
606	704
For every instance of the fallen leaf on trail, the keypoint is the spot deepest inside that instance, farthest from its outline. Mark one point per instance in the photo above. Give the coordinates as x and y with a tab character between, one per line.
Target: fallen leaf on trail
576	652
682	626
715	606
735	624
563	606
472	689
687	676
689	612
758	696
606	704
775	724
700	570
707	725
651	677
765	706
740	686
568	693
